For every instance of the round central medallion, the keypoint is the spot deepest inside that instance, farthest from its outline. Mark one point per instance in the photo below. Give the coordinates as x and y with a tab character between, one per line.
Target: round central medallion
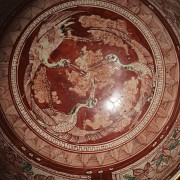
85	79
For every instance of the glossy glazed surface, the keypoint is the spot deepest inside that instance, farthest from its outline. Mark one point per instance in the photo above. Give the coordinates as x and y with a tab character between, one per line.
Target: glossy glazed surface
93	87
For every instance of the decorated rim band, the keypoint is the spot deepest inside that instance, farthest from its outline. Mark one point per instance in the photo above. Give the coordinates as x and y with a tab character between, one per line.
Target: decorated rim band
154	103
